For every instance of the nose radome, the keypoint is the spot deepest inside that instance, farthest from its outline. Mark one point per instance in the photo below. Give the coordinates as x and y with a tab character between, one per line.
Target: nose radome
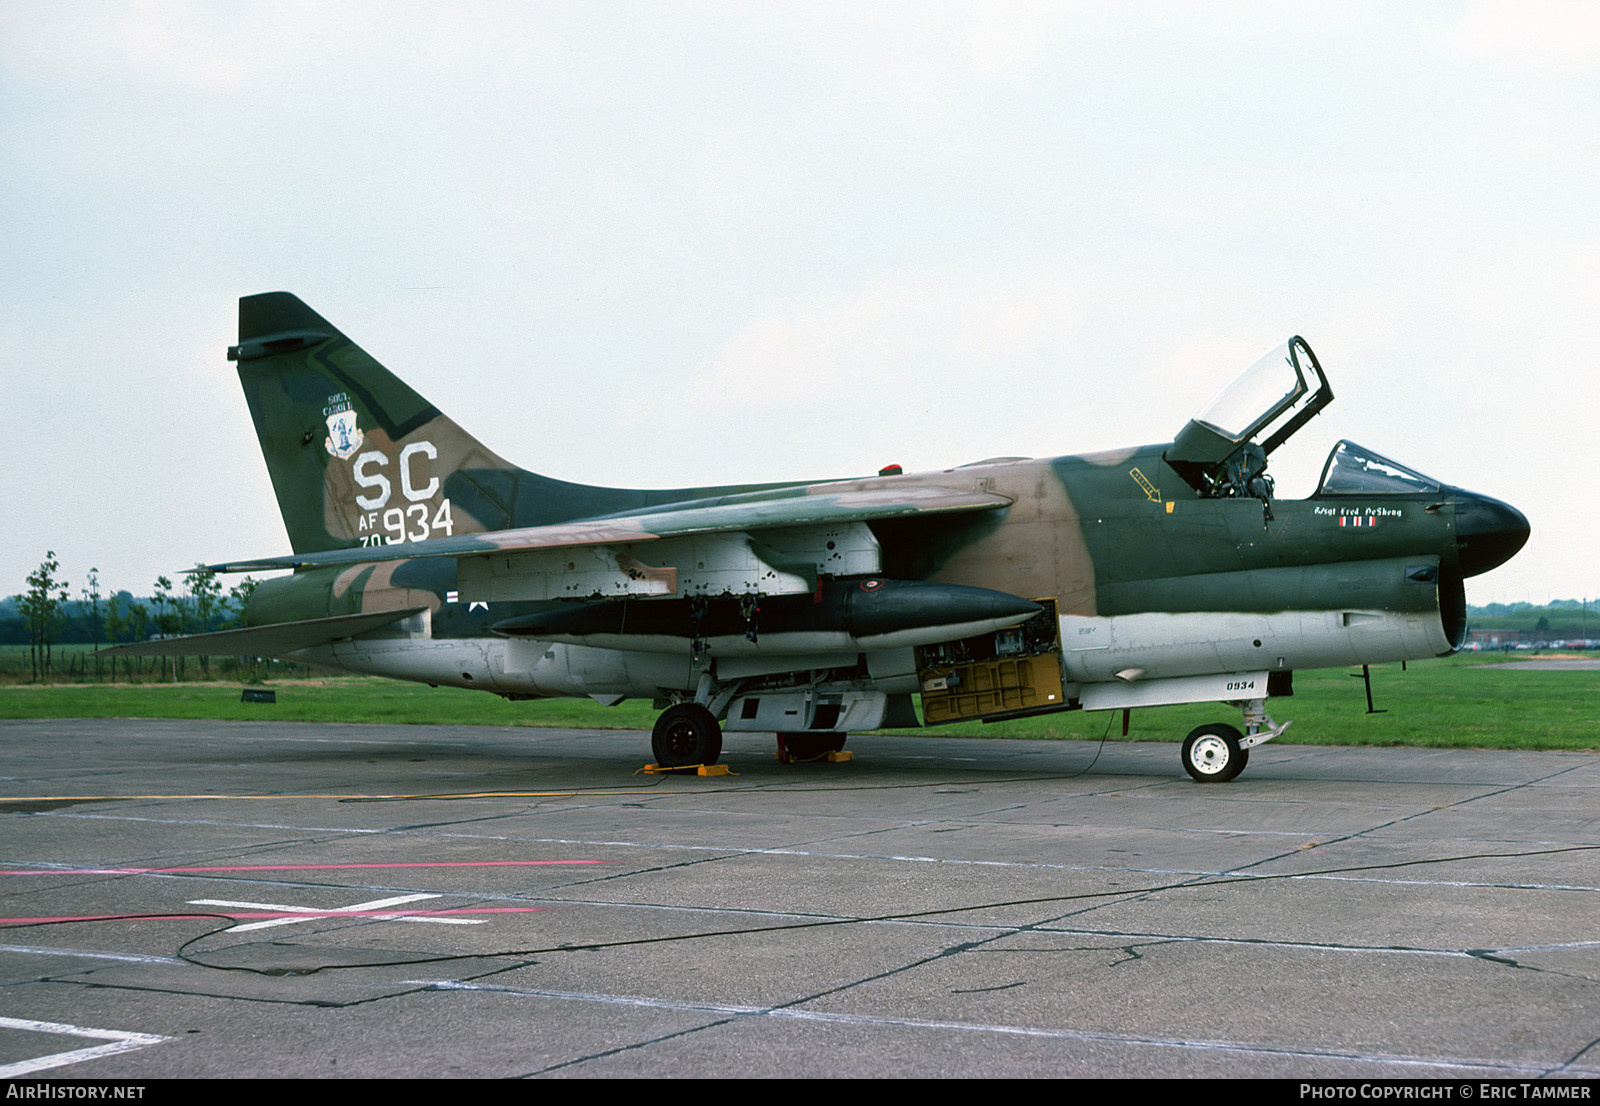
1488	531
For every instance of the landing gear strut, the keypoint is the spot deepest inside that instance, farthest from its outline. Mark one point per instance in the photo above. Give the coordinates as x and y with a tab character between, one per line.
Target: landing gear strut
686	735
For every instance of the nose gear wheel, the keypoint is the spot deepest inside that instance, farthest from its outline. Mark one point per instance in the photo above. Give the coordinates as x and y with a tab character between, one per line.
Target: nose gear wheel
1212	754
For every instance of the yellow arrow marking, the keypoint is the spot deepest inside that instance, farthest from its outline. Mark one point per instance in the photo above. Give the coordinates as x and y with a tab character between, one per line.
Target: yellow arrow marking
1152	493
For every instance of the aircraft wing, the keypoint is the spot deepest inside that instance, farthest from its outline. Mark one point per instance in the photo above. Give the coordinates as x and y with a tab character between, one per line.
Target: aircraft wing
776	544
263	641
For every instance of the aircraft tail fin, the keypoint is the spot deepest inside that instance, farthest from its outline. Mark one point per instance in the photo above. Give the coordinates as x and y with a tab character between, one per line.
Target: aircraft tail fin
356	456
359	458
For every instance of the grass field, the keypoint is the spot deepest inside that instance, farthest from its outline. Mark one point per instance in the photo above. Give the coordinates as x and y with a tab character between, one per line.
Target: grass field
1461	701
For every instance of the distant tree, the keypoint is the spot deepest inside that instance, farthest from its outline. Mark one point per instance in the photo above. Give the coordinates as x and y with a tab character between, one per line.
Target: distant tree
205	594
91	598
21	602
169	617
43	605
13	627
239	595
138	625
116	624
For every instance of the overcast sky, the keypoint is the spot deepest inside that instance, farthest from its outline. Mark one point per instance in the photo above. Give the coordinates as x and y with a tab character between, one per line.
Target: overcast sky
693	243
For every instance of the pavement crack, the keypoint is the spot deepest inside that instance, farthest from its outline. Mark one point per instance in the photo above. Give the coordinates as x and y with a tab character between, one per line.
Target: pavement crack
1486	954
624	1049
1572	1060
1495	956
987	990
1130	954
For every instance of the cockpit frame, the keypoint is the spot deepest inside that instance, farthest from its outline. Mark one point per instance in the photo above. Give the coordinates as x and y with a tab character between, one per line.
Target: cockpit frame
1217	454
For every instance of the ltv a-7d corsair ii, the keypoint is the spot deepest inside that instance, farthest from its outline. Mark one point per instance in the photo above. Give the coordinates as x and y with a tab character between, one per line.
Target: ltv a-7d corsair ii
1154	575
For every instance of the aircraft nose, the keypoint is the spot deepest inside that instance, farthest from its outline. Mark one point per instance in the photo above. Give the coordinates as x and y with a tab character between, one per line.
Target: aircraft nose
1488	532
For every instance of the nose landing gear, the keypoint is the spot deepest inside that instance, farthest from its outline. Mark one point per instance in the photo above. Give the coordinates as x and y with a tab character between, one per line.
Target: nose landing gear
1217	752
1212	754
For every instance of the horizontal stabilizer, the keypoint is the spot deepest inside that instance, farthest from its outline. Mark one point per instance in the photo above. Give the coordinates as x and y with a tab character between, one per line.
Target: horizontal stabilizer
264	641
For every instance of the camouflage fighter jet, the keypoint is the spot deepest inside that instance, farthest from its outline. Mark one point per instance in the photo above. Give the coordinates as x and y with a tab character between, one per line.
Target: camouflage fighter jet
1154	575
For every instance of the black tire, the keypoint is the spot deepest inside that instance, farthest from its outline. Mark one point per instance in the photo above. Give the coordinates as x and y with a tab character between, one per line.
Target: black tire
1211	754
686	735
812	746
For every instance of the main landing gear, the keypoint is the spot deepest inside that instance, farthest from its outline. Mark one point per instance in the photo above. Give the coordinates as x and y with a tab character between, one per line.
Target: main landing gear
808	746
689	734
1217	752
686	735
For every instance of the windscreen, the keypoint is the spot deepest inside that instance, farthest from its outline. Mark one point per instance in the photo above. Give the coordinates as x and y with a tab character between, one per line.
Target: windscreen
1353	470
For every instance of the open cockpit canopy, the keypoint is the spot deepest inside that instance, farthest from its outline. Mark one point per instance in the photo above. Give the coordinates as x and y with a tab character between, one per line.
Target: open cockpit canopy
1223	450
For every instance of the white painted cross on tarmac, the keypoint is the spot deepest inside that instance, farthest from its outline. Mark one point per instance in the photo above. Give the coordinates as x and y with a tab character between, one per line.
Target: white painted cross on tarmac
308	913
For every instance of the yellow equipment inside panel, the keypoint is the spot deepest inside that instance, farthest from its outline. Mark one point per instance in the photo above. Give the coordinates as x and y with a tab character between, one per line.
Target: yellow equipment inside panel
994	674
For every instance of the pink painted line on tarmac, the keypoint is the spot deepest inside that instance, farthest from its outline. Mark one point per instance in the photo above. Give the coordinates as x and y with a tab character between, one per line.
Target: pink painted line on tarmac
241	915
287	867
